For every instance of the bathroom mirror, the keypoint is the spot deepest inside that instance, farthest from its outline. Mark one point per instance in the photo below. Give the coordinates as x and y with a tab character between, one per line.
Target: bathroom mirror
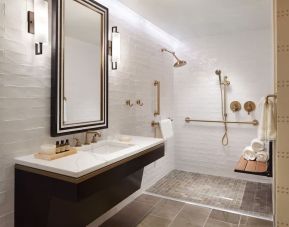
79	66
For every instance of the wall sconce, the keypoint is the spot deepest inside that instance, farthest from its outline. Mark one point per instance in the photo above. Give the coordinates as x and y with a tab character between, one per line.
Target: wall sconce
38	24
115	48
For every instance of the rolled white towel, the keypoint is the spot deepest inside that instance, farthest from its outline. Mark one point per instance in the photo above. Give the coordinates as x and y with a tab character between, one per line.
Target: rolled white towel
257	145
249	154
262	156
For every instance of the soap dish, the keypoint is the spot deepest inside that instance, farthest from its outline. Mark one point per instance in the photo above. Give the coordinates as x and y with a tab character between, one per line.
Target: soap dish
50	157
124	138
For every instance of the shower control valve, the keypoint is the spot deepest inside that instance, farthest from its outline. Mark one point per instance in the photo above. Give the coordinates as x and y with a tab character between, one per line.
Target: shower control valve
235	106
249	106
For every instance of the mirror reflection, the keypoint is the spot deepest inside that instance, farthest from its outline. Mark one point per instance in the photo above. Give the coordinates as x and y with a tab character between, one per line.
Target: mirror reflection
82	64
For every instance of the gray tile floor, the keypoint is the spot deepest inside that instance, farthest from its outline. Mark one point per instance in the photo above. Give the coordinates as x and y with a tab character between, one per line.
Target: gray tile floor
219	192
151	211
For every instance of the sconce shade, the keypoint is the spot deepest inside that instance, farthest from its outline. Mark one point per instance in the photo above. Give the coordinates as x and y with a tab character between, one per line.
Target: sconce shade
115	47
41	21
115	50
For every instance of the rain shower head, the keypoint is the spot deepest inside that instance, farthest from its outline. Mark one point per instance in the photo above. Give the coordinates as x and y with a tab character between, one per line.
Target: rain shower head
179	62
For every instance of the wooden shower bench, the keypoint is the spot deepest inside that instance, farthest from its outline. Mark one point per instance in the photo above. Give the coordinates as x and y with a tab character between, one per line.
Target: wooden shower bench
254	167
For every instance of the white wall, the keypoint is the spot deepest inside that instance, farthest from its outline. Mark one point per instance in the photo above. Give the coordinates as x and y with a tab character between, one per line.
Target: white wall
247	59
25	90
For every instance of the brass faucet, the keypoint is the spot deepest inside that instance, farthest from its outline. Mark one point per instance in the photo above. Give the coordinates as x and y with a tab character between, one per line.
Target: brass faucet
94	140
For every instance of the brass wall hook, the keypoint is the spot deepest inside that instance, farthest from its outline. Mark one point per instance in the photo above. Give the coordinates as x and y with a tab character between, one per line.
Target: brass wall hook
249	106
139	102
128	103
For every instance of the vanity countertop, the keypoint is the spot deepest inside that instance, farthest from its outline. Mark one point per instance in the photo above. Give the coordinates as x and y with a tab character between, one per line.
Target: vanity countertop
84	162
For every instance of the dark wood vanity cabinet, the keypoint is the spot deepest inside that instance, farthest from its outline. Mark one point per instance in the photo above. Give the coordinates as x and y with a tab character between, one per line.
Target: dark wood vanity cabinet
46	199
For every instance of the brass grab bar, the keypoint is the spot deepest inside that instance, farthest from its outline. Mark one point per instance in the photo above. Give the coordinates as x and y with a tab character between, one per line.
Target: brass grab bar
158	85
270	96
254	122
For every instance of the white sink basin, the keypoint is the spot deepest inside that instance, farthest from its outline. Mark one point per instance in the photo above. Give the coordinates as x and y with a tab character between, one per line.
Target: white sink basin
109	147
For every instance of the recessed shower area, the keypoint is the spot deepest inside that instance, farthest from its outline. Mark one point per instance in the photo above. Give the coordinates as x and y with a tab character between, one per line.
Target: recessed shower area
223	78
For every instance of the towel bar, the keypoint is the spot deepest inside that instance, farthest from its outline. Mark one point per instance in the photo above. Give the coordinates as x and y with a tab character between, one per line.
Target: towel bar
254	122
270	96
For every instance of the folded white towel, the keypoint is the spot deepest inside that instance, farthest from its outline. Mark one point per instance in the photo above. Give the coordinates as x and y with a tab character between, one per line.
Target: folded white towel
166	128
267	129
249	153
262	156
257	145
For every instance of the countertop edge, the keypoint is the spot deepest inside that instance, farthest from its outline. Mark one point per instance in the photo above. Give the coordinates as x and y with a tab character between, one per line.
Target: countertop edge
79	179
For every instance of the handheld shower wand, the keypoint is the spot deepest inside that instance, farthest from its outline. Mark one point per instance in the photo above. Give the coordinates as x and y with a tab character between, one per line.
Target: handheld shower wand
225	83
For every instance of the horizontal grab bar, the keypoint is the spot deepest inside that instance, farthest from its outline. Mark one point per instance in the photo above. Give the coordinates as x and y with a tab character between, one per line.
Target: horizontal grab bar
254	122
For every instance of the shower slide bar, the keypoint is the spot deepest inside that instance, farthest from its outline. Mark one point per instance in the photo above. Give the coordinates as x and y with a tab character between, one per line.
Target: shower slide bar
254	122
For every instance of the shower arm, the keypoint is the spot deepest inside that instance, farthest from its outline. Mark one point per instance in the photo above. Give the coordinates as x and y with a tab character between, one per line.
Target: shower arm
171	52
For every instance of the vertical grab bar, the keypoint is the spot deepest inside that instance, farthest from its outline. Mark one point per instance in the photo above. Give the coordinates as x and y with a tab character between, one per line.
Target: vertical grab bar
158	85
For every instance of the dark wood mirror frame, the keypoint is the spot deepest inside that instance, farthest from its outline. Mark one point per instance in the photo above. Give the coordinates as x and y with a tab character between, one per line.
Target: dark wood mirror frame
57	81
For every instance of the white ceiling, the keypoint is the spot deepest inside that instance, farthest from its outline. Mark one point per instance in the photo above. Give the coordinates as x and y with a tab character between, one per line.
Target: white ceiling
189	19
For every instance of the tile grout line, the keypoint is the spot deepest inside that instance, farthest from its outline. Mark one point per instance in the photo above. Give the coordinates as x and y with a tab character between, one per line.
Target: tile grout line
207	218
223	222
255	192
148	212
239	223
177	215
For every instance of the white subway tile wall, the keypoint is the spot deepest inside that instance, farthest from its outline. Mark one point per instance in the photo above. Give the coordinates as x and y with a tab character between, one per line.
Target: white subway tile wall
25	90
247	59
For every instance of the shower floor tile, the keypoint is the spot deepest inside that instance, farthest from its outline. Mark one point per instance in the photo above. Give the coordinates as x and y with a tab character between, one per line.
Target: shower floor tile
219	192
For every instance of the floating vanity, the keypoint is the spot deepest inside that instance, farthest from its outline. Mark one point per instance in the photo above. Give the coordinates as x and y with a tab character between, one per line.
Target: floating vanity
75	190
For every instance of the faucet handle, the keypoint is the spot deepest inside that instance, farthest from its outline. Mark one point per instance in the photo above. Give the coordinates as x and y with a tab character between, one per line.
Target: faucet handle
77	144
94	140
96	134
